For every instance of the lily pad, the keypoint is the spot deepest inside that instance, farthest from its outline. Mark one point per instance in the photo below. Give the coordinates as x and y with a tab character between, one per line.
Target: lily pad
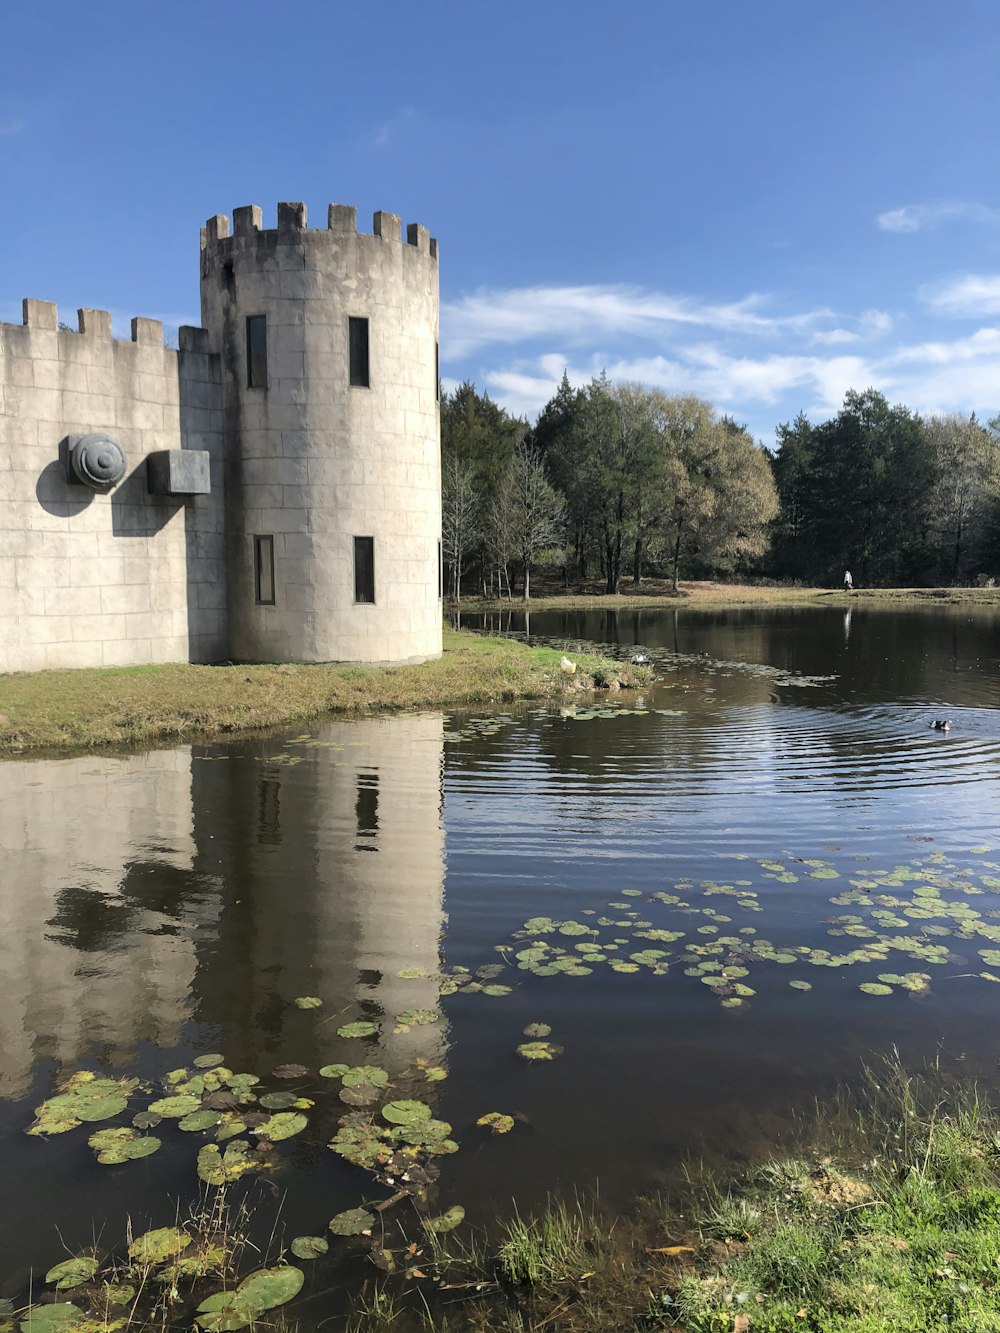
290	1071
495	1121
51	1318
333	1071
539	1050
283	1125
435	1073
278	1101
353	1222
874	988
536	1030
209	1061
308	1002
405	1112
159	1245
175	1108
366	1074
199	1120
362	1028
419	1017
309	1247
72	1273
446	1221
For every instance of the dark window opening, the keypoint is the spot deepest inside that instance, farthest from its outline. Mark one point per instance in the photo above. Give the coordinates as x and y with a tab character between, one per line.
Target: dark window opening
256	351
366	812
360	378
263	552
364	569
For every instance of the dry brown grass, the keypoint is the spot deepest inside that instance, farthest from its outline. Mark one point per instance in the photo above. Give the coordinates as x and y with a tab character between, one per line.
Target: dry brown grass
710	596
90	709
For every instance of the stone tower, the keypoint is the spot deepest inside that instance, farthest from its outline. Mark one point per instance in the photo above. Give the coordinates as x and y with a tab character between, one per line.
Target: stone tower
328	343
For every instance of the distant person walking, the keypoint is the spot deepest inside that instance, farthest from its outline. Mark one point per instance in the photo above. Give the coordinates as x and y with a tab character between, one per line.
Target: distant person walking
848	581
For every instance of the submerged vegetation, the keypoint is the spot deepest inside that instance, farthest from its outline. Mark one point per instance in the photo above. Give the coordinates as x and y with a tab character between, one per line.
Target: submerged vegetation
50	710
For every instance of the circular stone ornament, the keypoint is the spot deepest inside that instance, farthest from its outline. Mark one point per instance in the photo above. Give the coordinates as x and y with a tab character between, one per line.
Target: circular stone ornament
98	461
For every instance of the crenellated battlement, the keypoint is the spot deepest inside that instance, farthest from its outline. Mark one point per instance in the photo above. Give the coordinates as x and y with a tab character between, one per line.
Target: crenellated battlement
43	316
292	220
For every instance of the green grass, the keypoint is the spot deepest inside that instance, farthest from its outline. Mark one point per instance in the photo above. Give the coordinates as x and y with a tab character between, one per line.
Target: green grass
88	709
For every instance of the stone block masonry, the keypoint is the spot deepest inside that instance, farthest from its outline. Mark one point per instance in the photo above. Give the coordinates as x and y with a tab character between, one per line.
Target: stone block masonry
293	436
94	578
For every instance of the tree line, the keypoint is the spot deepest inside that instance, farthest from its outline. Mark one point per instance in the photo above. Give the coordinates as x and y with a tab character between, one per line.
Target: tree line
618	481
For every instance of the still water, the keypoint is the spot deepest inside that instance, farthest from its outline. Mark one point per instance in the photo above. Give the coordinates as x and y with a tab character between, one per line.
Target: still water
712	871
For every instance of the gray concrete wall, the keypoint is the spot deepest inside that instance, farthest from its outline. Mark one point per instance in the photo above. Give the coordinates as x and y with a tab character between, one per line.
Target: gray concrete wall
93	579
314	462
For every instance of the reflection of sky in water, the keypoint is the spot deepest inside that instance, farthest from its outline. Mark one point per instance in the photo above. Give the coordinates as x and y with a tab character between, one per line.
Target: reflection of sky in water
191	895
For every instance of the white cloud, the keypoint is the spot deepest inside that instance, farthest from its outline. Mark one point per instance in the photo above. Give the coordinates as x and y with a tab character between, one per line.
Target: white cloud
579	313
924	217
8	128
833	337
389	129
875	321
970	296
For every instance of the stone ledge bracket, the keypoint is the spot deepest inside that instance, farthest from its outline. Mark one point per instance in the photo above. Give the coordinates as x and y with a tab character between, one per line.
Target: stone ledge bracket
179	472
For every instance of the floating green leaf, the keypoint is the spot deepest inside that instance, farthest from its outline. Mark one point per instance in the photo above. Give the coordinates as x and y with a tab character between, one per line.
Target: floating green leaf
495	1121
372	1075
353	1222
209	1061
874	988
51	1319
333	1071
405	1112
417	1017
446	1221
199	1120
159	1245
539	1050
309	1247
283	1125
496	990
537	1030
362	1028
308	1001
175	1108
217	1168
72	1273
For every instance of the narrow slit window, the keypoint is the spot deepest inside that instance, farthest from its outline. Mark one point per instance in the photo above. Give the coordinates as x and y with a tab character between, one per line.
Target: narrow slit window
256	351
364	569
360	377
263	553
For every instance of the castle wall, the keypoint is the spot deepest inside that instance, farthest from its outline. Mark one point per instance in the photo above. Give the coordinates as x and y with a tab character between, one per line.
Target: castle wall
92	579
313	462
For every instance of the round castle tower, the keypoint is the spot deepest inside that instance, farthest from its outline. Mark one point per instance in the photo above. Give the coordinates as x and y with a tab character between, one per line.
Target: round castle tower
332	435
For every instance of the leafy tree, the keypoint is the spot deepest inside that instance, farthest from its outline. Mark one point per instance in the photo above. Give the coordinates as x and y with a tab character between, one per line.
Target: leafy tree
792	466
724	496
963	498
872	468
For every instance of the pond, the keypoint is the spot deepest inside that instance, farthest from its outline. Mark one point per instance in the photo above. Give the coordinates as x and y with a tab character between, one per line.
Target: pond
721	897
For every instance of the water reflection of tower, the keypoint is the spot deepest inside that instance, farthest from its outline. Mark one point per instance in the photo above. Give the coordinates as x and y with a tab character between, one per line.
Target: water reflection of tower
99	910
332	856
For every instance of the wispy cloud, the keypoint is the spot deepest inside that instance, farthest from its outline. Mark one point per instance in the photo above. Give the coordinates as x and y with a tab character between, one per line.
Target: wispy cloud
389	129
574	314
925	217
8	128
969	296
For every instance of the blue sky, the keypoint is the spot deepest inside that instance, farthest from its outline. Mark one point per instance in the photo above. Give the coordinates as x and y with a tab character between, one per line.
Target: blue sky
765	204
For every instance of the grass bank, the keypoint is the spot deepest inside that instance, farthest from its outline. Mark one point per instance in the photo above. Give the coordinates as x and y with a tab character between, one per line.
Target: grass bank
886	1218
654	593
59	710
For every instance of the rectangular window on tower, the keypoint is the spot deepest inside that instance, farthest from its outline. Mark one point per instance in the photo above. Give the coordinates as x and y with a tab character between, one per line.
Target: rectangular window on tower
364	569
263	559
358	330
256	351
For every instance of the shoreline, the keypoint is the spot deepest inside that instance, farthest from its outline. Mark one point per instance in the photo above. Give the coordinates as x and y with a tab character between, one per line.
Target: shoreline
56	712
656	594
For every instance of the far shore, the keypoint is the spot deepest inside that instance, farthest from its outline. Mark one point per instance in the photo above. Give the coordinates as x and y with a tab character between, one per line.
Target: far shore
691	596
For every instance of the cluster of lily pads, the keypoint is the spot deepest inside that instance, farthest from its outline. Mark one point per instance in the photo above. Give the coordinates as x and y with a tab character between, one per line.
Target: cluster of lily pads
106	1293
